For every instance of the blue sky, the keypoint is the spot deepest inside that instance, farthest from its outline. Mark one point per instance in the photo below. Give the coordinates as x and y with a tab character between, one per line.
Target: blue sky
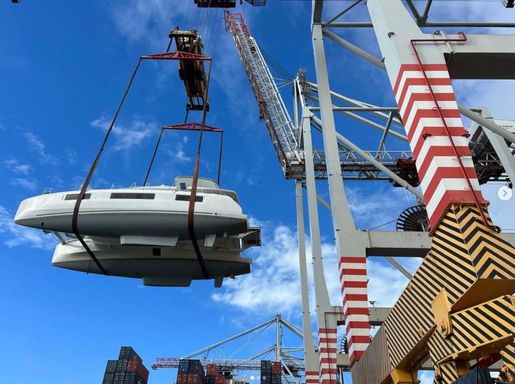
63	68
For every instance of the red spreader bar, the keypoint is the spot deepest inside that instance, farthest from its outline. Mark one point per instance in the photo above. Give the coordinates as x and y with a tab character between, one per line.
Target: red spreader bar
178	55
192	127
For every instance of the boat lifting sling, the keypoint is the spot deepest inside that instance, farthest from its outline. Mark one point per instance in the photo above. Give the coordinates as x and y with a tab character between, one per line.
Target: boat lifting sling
182	57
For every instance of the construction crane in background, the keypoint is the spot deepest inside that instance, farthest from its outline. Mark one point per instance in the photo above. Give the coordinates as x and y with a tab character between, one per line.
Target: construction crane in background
226	3
291	363
271	106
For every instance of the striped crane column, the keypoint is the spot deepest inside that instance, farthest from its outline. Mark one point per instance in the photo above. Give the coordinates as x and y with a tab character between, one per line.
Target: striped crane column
353	279
443	179
352	253
327	355
312	377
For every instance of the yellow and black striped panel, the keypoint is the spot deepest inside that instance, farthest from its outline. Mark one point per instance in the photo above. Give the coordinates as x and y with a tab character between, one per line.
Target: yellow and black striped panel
508	354
476	332
438	347
508	358
464	253
492	256
490	323
446	373
372	370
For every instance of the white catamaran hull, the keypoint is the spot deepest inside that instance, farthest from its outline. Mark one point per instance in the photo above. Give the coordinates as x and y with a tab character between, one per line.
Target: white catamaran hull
166	266
164	214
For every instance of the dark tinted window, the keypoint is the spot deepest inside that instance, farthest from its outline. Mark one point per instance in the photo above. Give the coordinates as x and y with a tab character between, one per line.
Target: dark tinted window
75	196
198	199
133	195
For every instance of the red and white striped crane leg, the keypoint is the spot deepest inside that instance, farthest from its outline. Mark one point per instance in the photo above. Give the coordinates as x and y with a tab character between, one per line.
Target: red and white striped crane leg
442	177
327	354
312	377
353	279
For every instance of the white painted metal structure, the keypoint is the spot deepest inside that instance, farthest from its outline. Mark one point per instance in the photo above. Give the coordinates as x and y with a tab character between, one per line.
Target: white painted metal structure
389	19
353	245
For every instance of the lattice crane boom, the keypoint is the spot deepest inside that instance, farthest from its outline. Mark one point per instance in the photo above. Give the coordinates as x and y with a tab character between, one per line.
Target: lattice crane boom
271	106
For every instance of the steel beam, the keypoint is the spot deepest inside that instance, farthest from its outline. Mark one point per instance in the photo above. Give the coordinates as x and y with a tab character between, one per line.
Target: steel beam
343	12
358	103
325	372
357	109
349	144
479	56
378	315
354	48
369	122
382	142
349	251
399	267
316	15
427	8
439	24
487	123
309	351
405	244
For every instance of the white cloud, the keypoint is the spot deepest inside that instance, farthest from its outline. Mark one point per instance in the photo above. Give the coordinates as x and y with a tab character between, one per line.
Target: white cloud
129	136
72	156
37	145
274	285
179	153
28	183
383	205
13	235
148	21
15	166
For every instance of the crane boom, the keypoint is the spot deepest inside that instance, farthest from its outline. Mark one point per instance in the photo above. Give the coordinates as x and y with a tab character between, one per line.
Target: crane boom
271	106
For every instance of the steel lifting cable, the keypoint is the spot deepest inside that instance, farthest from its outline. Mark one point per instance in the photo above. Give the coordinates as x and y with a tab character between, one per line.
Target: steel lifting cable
82	193
162	129
193	195
462	38
153	157
151	164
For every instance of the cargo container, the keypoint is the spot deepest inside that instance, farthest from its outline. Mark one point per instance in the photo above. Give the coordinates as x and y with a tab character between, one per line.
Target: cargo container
128	369
108	378
111	366
271	372
191	372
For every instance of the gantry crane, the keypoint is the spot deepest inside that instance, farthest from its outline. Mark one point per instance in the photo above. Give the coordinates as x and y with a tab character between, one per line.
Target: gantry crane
291	363
453	321
458	308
